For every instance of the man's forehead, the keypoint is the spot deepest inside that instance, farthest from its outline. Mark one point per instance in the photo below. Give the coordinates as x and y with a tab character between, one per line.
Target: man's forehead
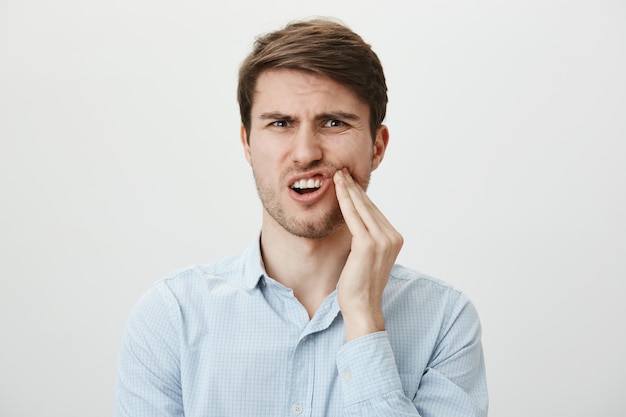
290	78
279	88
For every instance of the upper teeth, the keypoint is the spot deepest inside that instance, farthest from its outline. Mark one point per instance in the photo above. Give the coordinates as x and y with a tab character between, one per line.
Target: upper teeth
310	183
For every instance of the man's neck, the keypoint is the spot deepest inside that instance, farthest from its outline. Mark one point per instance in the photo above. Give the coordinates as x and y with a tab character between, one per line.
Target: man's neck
309	266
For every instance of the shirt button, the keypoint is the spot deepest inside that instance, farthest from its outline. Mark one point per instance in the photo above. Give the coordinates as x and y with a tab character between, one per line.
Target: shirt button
347	376
297	409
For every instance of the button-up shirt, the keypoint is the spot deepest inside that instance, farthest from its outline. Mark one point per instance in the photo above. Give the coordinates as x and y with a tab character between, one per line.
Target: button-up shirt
225	339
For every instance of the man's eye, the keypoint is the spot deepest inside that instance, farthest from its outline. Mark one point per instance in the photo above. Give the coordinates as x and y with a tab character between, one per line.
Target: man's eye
280	123
334	123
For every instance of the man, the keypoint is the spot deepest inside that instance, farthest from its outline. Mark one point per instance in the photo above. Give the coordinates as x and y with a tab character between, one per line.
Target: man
315	318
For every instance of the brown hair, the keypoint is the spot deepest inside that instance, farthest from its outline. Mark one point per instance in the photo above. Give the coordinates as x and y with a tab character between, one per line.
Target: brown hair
318	46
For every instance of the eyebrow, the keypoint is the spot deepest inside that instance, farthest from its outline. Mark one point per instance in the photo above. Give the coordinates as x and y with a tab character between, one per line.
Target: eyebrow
340	115
275	116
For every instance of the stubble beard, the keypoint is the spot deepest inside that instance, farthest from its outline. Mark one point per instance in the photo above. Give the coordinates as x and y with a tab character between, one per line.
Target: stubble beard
319	226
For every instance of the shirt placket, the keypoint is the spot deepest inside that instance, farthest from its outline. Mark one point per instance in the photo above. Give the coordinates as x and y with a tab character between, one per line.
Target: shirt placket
302	370
301	367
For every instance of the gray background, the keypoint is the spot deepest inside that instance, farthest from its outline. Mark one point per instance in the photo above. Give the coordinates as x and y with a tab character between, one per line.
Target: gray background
120	161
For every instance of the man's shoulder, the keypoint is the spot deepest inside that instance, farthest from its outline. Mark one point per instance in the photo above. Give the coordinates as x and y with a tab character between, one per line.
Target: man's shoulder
231	268
413	284
429	303
403	275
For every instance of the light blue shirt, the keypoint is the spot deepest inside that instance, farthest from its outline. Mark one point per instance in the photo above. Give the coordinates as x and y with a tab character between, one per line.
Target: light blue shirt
226	340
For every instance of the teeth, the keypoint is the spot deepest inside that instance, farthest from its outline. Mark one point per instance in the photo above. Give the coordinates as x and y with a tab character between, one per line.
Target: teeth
304	184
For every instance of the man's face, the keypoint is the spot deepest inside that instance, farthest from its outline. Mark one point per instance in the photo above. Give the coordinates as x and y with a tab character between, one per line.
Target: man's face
303	128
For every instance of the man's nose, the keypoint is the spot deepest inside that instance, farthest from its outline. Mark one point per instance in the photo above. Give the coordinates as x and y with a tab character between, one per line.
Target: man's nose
306	147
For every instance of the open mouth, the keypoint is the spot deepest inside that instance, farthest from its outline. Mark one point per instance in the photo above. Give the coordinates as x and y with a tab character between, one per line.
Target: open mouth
305	186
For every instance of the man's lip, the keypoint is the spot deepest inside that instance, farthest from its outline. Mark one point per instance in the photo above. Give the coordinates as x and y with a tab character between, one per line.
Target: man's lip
313	196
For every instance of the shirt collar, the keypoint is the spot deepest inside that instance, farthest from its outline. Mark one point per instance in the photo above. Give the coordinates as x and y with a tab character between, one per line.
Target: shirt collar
247	268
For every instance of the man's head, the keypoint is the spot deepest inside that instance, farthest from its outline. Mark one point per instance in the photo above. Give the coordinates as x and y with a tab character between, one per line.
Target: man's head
322	47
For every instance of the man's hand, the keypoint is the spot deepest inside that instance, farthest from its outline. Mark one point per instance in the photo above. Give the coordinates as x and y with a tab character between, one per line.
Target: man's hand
375	247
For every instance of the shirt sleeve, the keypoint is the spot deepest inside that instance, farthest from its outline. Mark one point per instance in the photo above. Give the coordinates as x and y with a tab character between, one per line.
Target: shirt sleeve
452	385
148	375
370	382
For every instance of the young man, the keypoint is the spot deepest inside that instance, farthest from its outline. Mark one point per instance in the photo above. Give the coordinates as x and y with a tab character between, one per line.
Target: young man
314	319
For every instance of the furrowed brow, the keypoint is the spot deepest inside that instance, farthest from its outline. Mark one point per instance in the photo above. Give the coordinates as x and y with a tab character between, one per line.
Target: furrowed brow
339	115
276	116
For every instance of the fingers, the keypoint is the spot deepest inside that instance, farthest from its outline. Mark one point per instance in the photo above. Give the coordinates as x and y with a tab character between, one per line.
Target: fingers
374	248
348	209
358	210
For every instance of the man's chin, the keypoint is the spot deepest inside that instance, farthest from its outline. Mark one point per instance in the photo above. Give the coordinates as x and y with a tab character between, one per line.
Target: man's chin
314	229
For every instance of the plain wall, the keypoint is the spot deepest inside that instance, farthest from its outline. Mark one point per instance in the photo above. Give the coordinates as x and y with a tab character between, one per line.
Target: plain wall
120	161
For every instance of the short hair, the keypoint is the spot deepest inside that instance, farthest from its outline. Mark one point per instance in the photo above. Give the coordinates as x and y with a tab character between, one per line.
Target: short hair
319	46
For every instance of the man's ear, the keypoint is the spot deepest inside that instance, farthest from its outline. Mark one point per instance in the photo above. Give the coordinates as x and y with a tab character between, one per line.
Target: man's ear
380	146
246	146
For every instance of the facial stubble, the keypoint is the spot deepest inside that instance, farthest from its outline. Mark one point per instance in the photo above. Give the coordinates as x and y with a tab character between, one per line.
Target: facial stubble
321	225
